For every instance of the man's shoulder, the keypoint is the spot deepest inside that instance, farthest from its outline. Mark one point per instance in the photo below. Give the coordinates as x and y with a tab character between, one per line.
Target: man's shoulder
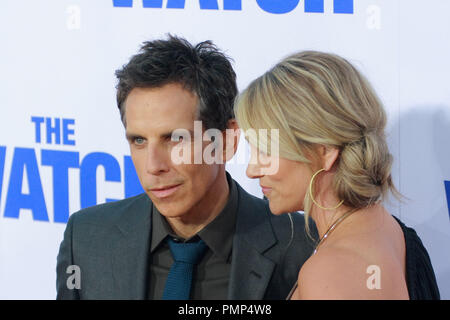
252	201
110	211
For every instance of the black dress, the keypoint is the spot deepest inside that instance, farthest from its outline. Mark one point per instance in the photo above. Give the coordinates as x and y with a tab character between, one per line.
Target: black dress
420	278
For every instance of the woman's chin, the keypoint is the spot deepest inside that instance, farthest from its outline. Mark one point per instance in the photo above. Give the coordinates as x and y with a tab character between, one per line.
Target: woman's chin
276	209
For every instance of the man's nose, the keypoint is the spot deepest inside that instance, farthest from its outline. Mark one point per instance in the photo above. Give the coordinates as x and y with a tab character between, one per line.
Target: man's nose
157	161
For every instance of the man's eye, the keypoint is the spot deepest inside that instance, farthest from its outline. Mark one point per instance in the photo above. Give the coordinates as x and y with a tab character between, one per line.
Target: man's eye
177	137
138	141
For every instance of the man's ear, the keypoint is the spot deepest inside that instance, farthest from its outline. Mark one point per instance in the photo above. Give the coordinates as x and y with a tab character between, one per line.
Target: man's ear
231	139
328	156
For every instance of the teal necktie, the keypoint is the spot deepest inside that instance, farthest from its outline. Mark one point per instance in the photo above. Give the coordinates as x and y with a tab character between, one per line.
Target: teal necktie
185	255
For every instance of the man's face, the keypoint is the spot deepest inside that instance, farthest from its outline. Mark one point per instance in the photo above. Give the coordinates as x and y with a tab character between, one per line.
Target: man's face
152	114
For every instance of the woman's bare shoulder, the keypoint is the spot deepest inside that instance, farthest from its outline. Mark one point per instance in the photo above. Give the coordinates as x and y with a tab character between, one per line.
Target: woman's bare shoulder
343	273
331	274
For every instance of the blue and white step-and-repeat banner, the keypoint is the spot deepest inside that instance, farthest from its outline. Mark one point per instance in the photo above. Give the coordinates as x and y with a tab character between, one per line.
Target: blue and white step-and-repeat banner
62	144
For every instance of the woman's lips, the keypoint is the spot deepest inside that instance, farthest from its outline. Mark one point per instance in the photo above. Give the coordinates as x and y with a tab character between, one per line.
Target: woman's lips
166	192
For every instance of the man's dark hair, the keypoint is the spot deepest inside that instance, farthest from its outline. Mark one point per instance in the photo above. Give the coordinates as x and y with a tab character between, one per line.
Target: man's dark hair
203	69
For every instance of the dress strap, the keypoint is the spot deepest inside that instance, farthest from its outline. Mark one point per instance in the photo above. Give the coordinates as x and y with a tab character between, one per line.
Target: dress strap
292	291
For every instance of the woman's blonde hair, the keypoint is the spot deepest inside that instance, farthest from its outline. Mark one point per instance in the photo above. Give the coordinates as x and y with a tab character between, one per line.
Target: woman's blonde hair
319	98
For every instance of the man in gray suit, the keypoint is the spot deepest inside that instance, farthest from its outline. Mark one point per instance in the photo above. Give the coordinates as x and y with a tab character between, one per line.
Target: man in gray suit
124	249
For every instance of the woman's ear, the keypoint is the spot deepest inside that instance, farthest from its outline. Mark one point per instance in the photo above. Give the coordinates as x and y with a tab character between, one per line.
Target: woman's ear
328	156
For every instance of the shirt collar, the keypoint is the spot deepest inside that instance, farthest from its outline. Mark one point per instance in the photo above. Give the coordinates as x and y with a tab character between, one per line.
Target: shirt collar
218	234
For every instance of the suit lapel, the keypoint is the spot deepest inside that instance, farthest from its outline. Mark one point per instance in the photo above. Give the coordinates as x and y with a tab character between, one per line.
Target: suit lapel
251	271
130	251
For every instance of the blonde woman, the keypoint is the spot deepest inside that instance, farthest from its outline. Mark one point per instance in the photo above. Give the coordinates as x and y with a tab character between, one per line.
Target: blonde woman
333	164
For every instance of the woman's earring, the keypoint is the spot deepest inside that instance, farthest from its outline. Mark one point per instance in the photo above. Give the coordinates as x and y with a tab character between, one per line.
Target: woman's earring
312	197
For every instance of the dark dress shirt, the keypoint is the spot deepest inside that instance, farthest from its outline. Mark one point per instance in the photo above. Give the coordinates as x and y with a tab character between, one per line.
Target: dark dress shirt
211	275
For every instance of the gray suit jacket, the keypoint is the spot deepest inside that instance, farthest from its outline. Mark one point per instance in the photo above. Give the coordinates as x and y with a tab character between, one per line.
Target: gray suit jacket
110	245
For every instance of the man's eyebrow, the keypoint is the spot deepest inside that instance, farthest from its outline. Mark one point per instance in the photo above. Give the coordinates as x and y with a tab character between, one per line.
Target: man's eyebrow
165	135
131	135
169	134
